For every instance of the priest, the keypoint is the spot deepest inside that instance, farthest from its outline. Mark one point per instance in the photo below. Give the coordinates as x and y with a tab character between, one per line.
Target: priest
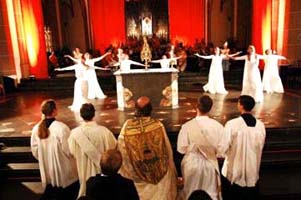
147	155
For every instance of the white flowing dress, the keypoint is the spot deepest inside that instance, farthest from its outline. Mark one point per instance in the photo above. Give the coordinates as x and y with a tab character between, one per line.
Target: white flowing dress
80	87
215	78
252	84
271	79
94	89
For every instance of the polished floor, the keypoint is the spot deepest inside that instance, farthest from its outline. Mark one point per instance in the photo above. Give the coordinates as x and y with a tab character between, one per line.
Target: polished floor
20	111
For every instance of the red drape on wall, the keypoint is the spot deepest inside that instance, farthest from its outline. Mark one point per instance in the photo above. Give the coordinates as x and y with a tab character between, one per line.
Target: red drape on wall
107	23
262	25
3	9
280	24
33	22
270	22
186	20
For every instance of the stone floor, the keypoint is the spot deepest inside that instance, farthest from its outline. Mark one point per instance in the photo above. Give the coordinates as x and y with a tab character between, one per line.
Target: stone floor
20	111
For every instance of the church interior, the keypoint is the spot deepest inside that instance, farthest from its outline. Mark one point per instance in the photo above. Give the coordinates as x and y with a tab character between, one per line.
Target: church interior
162	49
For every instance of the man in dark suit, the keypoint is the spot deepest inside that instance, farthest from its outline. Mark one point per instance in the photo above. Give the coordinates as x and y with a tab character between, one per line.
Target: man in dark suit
109	184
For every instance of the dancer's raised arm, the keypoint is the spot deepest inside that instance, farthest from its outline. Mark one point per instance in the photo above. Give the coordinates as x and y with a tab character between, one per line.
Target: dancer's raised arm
280	57
235	54
238	58
101	57
100	68
176	58
261	57
136	63
72	58
156	61
204	57
72	67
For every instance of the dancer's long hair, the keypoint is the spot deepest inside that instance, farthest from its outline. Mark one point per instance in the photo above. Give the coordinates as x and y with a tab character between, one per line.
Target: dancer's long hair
47	109
254	51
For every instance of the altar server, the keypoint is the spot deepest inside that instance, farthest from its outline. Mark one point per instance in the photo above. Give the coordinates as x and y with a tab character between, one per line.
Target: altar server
245	137
49	146
199	140
87	143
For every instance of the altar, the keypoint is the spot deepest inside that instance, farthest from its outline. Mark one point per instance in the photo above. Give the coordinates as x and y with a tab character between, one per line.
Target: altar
160	85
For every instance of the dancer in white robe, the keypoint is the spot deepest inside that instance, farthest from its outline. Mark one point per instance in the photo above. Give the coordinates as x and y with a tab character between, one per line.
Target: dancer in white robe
80	84
165	62
125	64
271	80
225	51
199	140
251	84
172	55
49	146
87	143
94	90
216	78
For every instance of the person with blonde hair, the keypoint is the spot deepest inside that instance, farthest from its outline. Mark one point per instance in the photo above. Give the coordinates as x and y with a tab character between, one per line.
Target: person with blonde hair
49	145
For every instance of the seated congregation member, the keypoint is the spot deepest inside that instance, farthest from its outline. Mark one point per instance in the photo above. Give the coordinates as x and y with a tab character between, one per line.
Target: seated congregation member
199	195
147	155
246	136
199	140
109	184
87	143
49	145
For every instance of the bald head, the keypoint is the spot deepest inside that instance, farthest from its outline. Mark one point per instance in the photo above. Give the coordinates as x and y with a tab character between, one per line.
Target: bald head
143	101
143	107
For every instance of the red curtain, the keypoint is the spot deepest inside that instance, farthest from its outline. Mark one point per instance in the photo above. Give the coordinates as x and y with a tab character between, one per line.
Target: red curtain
33	25
186	20
107	23
3	9
262	25
269	24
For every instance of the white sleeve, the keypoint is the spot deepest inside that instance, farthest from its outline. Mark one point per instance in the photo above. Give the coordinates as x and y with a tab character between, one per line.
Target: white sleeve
111	139
71	144
225	140
240	57
34	142
182	143
64	141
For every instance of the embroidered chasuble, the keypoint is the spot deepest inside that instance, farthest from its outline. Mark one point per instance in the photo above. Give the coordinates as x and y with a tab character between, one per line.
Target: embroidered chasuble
145	145
147	159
